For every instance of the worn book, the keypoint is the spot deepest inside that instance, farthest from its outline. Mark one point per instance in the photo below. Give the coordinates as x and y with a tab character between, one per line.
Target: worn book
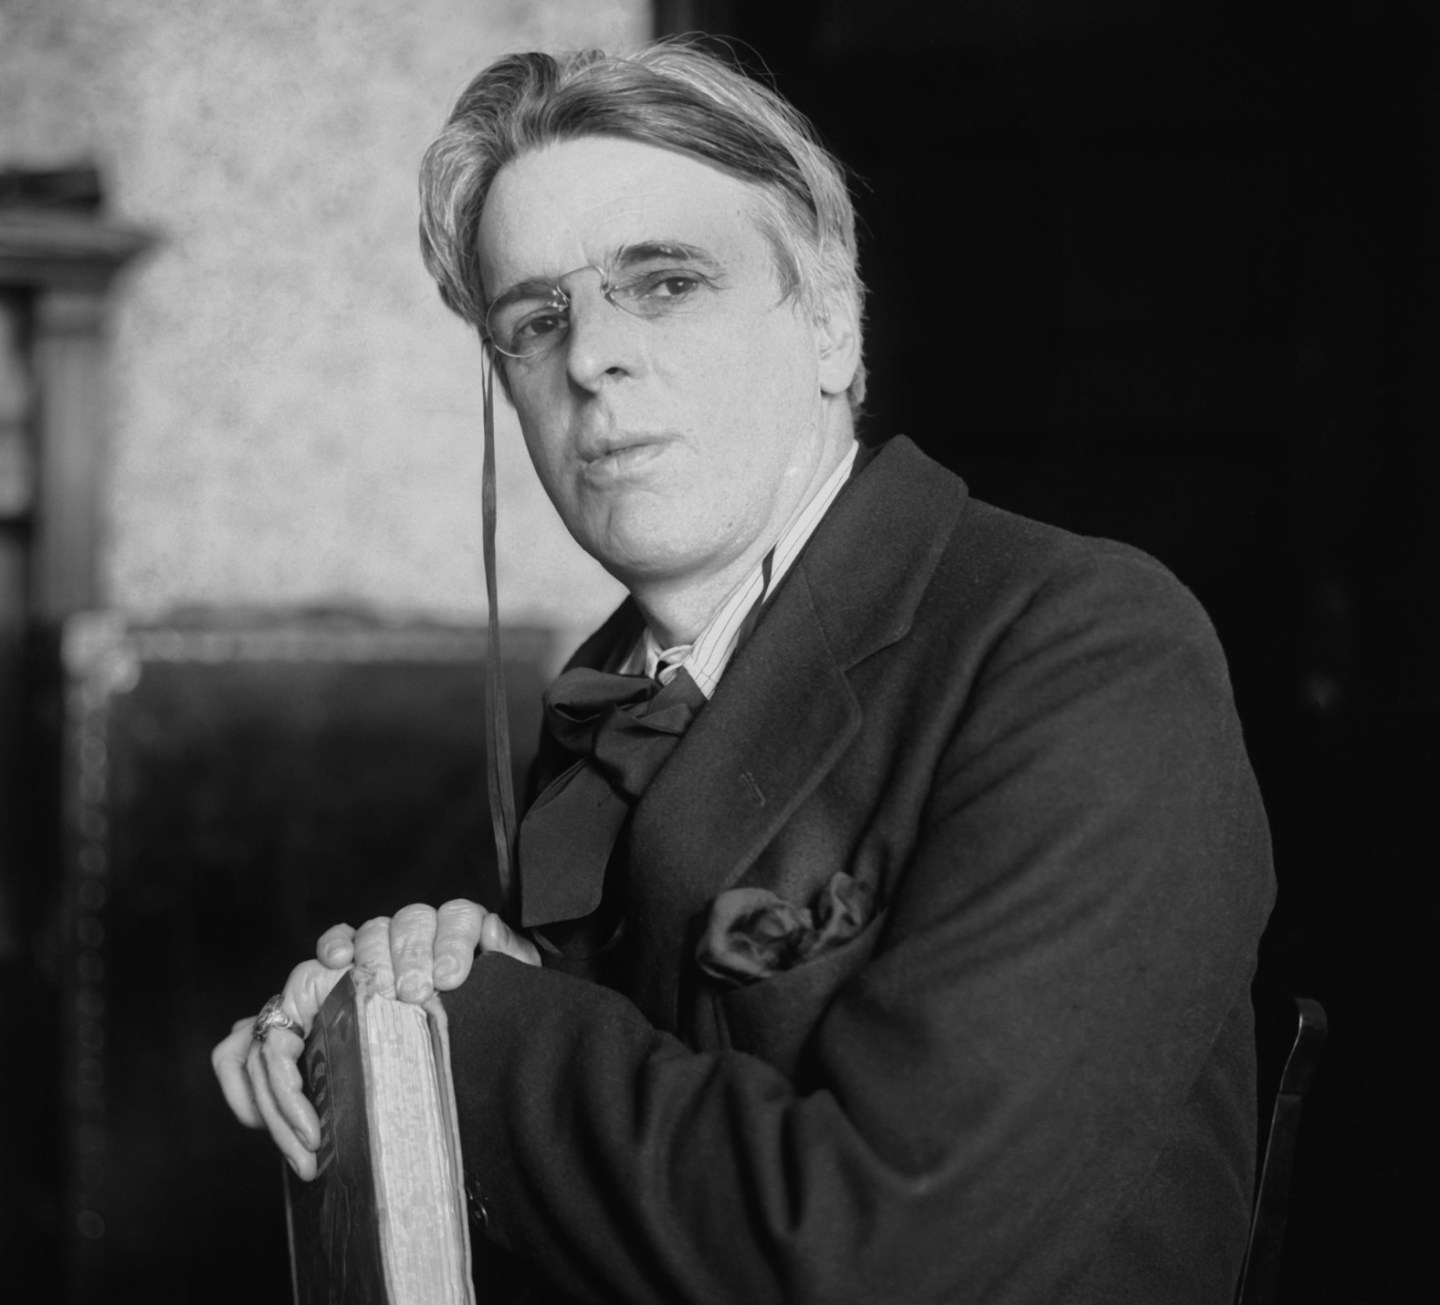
384	1221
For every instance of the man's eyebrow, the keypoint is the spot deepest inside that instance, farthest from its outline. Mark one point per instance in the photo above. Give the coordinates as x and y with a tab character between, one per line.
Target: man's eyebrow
529	286
650	251
625	258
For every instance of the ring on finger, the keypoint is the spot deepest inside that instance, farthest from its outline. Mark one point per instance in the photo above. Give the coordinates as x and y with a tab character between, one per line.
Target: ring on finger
272	1016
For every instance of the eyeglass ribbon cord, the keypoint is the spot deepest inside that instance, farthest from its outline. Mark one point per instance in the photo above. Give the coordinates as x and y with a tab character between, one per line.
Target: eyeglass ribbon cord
499	778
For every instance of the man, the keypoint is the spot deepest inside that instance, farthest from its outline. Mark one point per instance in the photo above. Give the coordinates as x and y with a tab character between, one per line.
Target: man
919	969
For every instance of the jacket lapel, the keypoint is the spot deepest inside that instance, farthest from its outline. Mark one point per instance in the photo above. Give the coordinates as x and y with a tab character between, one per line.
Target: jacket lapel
747	761
785	710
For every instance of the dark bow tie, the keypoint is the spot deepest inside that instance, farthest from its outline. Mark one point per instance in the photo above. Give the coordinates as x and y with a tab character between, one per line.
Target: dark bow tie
621	728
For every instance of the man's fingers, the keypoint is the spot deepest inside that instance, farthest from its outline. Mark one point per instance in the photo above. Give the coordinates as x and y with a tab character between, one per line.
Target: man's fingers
280	1053
228	1060
372	953
305	991
261	1080
412	951
497	936
336	947
457	934
300	1157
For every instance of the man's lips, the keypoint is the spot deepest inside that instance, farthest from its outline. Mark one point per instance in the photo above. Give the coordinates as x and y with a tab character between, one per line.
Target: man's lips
617	455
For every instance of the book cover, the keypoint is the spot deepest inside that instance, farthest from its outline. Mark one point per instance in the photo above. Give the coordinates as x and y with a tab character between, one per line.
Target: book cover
384	1221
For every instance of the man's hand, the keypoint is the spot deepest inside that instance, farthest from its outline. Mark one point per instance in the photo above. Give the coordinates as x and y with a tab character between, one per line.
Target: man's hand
420	950
261	1080
412	954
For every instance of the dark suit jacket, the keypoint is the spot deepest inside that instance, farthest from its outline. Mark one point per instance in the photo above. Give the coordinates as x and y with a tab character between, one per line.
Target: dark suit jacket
1030	1078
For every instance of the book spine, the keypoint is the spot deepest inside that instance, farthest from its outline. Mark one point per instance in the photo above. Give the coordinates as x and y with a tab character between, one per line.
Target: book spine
315	1072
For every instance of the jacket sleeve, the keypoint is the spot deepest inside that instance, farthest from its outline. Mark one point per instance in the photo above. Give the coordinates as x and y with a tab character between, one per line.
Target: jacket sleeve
1050	1038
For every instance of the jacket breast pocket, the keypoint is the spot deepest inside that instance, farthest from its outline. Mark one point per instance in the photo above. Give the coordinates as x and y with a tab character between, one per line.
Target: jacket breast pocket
774	1017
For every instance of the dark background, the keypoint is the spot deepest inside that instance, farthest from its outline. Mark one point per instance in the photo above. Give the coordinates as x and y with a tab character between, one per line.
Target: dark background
232	783
1168	273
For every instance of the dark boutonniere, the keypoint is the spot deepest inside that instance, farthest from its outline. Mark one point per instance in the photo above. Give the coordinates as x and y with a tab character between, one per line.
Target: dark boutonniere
753	933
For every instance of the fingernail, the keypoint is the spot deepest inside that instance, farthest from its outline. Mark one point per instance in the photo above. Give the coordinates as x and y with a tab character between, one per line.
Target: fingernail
412	988
446	970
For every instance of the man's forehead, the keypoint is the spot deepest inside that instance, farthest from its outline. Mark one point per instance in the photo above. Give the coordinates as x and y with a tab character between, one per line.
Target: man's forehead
590	200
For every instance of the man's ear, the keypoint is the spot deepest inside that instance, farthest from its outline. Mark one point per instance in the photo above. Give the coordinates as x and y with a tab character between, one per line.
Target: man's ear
837	337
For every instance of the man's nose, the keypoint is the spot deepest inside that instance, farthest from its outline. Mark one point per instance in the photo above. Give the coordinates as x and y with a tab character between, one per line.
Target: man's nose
603	340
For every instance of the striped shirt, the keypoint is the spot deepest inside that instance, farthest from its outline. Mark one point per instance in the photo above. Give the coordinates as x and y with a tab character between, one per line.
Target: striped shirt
707	658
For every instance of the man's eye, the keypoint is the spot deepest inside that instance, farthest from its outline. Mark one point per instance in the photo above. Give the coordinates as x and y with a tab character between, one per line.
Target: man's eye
661	289
537	325
676	286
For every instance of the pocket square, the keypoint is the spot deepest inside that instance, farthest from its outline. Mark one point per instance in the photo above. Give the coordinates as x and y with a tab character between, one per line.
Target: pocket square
753	933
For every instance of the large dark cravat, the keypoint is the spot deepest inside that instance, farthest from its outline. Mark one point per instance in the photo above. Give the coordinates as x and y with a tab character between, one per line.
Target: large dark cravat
621	728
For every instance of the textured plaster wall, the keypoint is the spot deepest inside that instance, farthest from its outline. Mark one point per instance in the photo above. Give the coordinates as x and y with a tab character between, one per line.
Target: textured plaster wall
296	418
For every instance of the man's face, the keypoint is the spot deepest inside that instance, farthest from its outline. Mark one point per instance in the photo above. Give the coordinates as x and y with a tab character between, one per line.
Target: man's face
675	449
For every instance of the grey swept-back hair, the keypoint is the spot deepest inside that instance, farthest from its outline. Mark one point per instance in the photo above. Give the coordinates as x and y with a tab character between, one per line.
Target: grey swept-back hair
670	94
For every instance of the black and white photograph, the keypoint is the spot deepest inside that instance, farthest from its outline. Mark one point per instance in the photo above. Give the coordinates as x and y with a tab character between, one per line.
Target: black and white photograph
717	652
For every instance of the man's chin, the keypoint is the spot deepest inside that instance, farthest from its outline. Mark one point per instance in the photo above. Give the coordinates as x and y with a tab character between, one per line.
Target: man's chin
646	555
